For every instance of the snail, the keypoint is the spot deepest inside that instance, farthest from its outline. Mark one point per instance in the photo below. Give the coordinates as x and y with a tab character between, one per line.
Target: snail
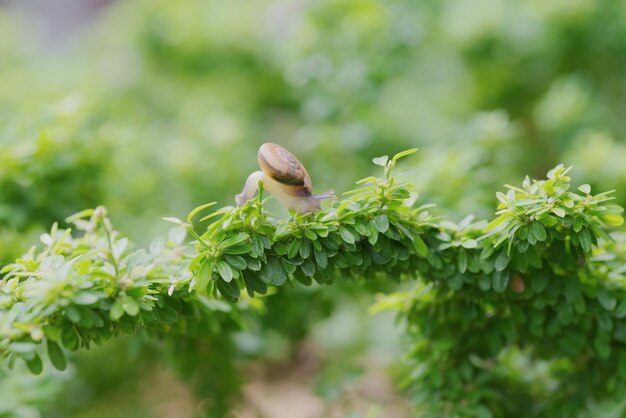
285	178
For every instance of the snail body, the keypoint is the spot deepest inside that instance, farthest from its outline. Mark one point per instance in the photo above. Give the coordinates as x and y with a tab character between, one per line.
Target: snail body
285	178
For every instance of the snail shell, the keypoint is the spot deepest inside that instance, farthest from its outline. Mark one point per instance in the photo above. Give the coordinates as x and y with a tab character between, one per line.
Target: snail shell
282	166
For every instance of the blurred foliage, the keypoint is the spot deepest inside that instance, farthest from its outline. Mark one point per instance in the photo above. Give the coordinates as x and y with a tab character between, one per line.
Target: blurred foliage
151	107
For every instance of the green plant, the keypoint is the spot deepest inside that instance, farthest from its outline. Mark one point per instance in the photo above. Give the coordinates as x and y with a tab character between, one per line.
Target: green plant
531	287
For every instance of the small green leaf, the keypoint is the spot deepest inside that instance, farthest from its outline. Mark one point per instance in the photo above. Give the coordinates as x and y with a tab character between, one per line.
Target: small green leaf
420	246
69	337
321	258
585	188
87	298
175	221
381	161
502	261
273	272
584	236
560	212
236	261
254	284
257	244
233	240
224	270
198	209
56	355
35	365
130	305
347	236
305	249
204	276
469	243
538	231
498	221
578	224
52	332
612	219
404	154
367	180
499	281
229	290
382	223
116	311
294	248
462	261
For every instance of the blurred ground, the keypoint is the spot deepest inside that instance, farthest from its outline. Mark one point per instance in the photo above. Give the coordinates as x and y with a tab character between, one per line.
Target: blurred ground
285	391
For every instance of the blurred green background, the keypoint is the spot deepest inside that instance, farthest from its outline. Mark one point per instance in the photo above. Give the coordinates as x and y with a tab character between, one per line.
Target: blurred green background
152	107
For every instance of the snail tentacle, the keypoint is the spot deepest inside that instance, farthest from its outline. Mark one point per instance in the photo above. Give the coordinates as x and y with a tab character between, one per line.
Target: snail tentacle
250	188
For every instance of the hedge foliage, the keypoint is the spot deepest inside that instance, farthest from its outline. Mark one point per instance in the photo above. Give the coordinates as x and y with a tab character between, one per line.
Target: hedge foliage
537	291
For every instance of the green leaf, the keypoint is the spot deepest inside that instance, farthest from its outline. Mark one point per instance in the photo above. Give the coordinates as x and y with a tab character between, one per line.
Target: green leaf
560	212
584	236
420	246
80	215
305	249
240	248
35	365
198	209
498	221
499	281
229	290
381	161
236	239
236	261
175	221
502	261
254	284
321	258
404	154
469	243
130	305
56	355
612	219
367	180
273	272
87	298
538	231
585	188
73	314
578	224
308	268
462	261
294	248
204	276
347	236
257	244
52	332
224	270
381	222
69	337
116	311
